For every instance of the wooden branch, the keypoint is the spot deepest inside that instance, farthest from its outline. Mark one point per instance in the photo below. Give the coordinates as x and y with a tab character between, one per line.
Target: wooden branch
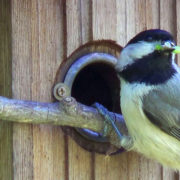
67	112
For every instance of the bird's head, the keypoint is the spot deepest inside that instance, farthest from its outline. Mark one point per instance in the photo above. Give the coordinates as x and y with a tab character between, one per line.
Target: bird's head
147	54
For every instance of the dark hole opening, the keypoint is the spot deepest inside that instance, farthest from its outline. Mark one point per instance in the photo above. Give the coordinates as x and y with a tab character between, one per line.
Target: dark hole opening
98	82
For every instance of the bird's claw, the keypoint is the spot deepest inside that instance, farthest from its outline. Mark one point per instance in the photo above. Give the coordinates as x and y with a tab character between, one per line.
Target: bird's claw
108	120
107	123
125	141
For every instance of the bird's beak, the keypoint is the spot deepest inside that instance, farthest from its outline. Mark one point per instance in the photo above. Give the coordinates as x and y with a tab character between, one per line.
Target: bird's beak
166	47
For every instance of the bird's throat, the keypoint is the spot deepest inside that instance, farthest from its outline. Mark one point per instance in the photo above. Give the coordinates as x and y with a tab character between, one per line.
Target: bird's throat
155	68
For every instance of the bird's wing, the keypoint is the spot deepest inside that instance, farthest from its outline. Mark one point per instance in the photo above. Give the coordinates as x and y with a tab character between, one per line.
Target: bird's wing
162	106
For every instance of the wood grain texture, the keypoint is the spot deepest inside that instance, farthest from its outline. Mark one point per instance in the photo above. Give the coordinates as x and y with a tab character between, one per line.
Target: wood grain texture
167	16
6	168
152	14
47	53
121	27
37	51
78	32
104	19
21	73
43	33
73	20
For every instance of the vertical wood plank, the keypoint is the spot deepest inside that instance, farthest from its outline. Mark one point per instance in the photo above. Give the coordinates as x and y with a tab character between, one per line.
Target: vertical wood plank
6	168
78	32
140	15
21	72
168	23
85	20
47	53
167	16
130	19
73	20
104	19
152	14
37	35
121	28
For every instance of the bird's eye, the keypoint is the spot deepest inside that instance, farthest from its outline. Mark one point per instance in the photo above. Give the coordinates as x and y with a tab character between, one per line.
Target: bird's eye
168	43
172	44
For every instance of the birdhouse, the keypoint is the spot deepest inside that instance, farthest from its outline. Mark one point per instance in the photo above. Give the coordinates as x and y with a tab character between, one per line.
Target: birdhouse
75	42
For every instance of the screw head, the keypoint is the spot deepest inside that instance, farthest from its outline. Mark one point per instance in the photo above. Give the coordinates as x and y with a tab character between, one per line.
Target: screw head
61	91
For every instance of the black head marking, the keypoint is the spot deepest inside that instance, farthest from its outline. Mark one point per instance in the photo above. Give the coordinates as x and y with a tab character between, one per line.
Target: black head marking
154	68
152	35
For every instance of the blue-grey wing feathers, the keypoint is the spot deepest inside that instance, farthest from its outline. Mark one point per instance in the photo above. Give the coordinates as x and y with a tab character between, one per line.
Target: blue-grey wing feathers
162	106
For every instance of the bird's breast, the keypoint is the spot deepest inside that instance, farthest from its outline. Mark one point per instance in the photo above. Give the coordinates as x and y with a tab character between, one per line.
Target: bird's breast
148	138
131	105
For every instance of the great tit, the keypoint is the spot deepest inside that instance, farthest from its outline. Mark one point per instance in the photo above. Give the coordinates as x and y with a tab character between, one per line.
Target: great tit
150	95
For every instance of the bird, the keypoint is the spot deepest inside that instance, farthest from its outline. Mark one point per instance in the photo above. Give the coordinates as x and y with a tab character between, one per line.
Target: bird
150	96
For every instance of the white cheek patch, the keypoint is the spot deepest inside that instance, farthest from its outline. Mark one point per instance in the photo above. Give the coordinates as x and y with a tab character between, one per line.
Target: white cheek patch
133	52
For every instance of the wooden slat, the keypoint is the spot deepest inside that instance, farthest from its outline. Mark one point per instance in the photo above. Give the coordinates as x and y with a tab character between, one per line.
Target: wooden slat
152	14
73	20
6	168
78	32
47	53
167	15
168	23
85	20
104	19
130	19
37	34
21	72
121	28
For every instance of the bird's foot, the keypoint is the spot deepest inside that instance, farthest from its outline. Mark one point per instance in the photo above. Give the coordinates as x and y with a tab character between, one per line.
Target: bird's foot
108	120
125	141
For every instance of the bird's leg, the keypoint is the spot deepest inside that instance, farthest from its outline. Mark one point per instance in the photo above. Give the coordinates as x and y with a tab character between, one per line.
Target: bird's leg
125	141
108	120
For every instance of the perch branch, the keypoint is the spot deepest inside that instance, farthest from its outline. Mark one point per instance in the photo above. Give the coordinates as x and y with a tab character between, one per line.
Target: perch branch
67	112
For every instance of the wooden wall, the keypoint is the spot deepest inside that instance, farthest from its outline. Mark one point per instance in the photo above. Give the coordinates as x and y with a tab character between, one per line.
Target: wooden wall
43	33
6	168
